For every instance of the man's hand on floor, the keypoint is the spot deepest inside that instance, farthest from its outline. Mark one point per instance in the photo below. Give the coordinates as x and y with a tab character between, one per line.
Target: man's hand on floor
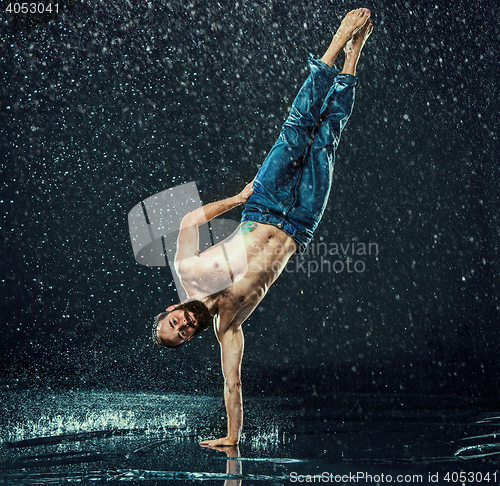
224	442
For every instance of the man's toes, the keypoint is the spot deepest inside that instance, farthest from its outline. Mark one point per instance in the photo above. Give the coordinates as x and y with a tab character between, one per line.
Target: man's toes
364	15
359	12
368	27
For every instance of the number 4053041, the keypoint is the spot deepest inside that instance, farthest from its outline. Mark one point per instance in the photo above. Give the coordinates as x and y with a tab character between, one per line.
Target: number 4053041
17	7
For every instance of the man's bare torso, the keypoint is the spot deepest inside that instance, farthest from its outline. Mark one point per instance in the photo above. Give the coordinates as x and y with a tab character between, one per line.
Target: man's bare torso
241	268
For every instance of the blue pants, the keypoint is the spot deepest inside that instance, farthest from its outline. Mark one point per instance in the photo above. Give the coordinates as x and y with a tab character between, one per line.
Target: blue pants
292	187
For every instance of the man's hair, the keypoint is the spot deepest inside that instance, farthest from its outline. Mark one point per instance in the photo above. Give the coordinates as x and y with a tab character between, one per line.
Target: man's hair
201	314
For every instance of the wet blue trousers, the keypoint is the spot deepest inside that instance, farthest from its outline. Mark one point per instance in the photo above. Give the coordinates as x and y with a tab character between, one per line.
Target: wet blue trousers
291	188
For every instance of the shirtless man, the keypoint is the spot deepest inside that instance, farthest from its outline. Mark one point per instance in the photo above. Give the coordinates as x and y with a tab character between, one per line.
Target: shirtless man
283	206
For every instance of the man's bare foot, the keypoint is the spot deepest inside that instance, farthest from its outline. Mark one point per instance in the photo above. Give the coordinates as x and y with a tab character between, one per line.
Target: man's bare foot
354	46
357	41
351	24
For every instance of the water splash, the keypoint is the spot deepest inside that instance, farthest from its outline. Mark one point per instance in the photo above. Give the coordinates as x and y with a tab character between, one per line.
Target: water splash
73	423
264	440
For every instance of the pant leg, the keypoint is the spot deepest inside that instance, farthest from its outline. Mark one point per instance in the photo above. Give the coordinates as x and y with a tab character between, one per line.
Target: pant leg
308	104
279	169
292	187
313	189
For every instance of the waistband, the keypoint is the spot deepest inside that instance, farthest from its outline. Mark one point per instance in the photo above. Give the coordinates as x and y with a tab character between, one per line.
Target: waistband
279	221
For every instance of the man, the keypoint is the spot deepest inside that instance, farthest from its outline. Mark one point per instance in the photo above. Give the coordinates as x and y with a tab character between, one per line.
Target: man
283	206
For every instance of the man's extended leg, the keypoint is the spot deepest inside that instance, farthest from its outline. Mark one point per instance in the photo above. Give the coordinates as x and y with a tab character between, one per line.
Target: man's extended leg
286	155
311	193
305	111
291	187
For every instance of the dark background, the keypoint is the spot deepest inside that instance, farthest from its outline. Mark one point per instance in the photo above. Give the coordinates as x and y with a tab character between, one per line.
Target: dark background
108	103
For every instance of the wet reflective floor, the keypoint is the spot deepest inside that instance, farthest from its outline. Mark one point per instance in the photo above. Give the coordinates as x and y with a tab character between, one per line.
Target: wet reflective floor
94	436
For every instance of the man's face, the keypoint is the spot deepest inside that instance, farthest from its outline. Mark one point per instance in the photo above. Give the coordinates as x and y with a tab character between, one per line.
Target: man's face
177	327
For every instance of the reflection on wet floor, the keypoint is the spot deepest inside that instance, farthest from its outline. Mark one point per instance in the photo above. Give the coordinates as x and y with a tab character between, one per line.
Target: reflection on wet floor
58	437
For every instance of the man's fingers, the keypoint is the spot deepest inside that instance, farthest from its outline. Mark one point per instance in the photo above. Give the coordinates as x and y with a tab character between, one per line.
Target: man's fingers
209	443
224	442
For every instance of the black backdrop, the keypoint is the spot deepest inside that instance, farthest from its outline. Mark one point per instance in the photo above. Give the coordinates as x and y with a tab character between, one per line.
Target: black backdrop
111	102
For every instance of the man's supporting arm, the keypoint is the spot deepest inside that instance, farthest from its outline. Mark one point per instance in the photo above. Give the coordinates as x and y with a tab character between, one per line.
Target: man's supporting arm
232	344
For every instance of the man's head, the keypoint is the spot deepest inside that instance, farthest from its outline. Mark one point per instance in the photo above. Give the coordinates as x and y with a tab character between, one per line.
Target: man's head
180	323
